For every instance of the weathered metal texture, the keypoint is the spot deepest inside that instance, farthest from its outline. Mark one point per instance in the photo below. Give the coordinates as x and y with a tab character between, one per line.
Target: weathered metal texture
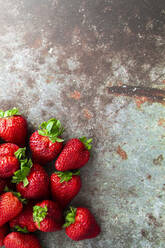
58	58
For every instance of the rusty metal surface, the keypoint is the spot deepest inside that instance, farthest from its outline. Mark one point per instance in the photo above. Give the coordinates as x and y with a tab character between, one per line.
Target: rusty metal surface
59	58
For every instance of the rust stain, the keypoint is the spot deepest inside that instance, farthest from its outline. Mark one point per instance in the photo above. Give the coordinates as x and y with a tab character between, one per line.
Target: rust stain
161	122
144	233
37	43
87	114
158	160
151	94
149	177
49	79
153	221
120	83
122	153
140	100
75	95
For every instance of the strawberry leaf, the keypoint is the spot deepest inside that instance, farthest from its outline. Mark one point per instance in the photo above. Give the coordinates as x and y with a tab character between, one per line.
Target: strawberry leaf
39	214
21	174
70	217
52	129
9	112
20	153
86	142
20	229
66	176
42	133
16	194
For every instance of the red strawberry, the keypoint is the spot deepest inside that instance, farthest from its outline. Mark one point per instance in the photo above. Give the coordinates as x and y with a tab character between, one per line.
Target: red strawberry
9	159
13	127
65	186
81	224
8	149
32	180
3	232
8	165
24	221
48	216
74	155
46	144
10	206
3	183
20	240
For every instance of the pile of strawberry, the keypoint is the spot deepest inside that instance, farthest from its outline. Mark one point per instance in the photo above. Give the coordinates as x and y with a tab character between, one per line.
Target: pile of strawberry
29	199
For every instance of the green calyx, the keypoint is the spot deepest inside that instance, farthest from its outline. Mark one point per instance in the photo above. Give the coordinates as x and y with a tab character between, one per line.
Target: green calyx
25	167
39	214
20	229
16	194
9	112
87	143
70	217
52	129
20	153
67	175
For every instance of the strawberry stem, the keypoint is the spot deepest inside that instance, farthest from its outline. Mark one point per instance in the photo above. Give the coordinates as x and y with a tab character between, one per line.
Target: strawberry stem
9	112
70	217
87	143
39	214
20	229
21	174
66	176
52	129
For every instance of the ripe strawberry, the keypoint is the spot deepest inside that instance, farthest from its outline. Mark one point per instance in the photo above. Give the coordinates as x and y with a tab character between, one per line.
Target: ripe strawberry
65	186
46	144
81	224
8	149
21	240
32	180
9	159
3	232
10	206
74	155
48	216
13	127
24	221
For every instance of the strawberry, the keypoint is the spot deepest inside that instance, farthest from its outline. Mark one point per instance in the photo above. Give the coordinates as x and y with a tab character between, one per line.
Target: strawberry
3	232
48	216
81	224
21	240
46	144
74	155
9	159
32	180
24	221
13	127
8	149
10	206
65	186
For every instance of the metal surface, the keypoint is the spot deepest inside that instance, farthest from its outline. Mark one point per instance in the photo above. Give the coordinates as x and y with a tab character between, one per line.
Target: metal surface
58	58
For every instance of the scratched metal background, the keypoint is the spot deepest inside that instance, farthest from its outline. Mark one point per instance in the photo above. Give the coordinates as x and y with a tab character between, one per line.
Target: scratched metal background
57	59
